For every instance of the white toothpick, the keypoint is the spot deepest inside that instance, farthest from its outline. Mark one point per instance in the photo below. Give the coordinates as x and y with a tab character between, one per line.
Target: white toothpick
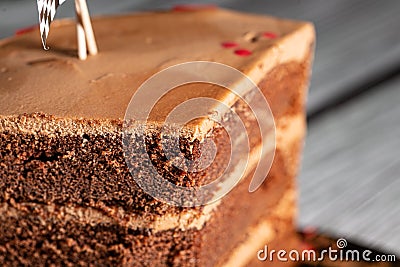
82	52
87	26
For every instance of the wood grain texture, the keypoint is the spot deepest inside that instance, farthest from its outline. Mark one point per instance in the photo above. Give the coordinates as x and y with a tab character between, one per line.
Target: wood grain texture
350	184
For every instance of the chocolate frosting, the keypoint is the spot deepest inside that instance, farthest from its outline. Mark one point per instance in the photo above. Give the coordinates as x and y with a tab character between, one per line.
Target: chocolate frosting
132	48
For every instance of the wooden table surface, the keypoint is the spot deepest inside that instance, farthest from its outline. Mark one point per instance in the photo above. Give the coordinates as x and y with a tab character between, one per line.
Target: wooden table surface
349	185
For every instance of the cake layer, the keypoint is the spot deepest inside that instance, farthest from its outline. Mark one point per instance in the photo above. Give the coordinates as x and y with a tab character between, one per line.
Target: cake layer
89	100
79	137
290	132
34	234
57	190
45	158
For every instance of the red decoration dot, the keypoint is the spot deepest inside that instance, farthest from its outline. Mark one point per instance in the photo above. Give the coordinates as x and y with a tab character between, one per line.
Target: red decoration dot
270	35
243	52
189	8
229	44
26	30
307	246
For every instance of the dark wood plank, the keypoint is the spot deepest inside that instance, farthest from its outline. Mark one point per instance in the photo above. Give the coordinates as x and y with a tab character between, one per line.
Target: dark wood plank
350	181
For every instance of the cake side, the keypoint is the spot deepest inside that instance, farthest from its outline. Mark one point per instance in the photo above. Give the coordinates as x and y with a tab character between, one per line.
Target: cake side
100	116
43	162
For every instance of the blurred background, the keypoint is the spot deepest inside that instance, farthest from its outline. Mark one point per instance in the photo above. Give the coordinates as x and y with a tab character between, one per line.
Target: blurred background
349	184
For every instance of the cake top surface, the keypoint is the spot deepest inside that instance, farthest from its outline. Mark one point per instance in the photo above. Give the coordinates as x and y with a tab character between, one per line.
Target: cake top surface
133	48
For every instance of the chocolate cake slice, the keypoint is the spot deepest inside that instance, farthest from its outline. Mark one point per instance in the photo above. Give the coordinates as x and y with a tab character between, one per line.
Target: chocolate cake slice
72	158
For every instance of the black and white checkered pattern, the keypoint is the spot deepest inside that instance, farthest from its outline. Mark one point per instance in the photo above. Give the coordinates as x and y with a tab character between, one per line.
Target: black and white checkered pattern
47	10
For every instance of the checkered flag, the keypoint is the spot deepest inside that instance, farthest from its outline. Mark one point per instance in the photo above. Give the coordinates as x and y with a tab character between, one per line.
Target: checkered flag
47	10
86	39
